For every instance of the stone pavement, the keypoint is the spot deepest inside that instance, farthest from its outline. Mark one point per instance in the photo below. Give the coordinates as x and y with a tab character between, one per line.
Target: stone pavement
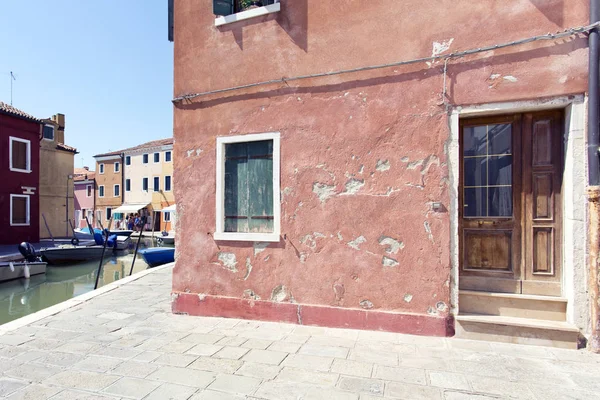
126	344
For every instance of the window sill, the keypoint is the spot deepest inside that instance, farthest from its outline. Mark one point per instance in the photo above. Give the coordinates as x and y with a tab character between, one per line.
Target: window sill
253	13
247	237
25	171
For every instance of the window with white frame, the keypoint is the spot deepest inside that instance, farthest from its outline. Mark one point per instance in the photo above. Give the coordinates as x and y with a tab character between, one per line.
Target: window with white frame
248	206
145	159
128	185
88	190
48	132
127	160
19	210
117	167
167	183
168	156
20	155
116	190
157	184
101	168
156	158
167	216
101	191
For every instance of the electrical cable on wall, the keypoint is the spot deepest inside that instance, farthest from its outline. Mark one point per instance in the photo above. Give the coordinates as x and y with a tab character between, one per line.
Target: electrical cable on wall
446	57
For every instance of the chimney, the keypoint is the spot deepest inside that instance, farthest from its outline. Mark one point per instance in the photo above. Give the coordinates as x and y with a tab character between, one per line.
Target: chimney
59	119
86	168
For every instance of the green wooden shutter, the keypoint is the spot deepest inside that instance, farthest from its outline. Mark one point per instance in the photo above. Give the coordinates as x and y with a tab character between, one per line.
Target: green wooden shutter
249	187
223	7
260	185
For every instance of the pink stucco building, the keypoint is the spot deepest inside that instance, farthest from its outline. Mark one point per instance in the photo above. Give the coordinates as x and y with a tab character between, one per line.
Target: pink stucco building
407	166
85	195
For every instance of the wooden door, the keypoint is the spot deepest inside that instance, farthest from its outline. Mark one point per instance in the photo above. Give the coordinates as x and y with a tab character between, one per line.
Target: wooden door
510	204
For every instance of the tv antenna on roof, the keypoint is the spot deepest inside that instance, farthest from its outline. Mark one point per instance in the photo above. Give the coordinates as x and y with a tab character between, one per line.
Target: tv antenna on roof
12	78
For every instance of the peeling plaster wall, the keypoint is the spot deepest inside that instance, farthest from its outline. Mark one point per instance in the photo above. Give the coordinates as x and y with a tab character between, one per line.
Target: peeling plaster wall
363	155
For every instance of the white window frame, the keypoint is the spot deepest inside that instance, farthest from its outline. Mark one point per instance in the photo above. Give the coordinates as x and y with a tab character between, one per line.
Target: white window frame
90	189
165	157
252	13
12	139
165	183
101	168
147	185
106	212
101	193
154	178
53	133
28	209
128	180
115	186
220	233
147	155
154	157
117	167
127	160
165	214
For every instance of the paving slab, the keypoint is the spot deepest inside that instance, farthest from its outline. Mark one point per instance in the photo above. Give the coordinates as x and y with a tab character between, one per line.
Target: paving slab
122	342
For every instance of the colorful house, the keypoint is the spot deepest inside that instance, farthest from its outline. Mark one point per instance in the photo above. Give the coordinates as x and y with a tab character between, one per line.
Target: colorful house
148	182
56	179
85	196
109	182
402	166
19	174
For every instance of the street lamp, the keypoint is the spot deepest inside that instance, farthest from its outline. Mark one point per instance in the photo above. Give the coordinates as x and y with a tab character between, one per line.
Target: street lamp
69	177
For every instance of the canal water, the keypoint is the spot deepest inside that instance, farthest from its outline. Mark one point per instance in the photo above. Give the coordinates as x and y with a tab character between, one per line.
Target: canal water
26	296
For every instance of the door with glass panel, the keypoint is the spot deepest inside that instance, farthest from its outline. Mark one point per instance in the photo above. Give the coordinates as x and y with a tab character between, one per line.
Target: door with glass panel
510	204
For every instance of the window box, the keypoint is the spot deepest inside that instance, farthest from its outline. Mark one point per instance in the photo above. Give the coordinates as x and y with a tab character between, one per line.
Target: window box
248	206
20	155
229	11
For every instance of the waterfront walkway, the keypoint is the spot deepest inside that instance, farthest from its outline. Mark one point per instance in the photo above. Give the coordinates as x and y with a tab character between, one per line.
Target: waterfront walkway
125	343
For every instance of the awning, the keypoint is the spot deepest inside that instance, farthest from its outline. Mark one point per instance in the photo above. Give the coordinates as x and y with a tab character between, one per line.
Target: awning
169	209
129	208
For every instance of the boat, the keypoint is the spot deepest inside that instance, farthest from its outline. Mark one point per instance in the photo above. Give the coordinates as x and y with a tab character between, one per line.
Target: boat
17	270
158	255
123	243
166	238
70	254
84	233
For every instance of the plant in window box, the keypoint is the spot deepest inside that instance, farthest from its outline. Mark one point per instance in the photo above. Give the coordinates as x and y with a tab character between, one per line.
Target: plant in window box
249	4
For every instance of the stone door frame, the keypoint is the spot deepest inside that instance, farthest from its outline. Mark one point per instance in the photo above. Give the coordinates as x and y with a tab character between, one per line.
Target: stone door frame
574	279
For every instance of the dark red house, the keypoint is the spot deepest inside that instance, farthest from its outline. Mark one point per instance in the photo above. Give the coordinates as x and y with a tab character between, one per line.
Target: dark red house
19	174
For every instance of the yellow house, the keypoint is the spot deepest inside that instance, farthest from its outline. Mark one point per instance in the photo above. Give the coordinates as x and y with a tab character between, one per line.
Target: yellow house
56	179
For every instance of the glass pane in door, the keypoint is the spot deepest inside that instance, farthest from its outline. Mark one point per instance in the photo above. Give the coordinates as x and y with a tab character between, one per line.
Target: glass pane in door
487	171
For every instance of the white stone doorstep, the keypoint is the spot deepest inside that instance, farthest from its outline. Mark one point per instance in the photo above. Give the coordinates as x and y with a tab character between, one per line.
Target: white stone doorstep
55	309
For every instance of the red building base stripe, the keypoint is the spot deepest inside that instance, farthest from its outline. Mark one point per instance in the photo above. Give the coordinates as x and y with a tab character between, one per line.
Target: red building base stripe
303	314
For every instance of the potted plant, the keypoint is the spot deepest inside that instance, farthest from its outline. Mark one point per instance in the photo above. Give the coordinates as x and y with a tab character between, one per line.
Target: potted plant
248	4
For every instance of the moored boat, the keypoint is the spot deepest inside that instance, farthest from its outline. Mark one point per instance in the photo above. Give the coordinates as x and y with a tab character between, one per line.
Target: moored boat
62	255
158	255
17	270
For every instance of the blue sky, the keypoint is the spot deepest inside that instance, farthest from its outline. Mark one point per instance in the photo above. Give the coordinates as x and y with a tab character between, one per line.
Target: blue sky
107	65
